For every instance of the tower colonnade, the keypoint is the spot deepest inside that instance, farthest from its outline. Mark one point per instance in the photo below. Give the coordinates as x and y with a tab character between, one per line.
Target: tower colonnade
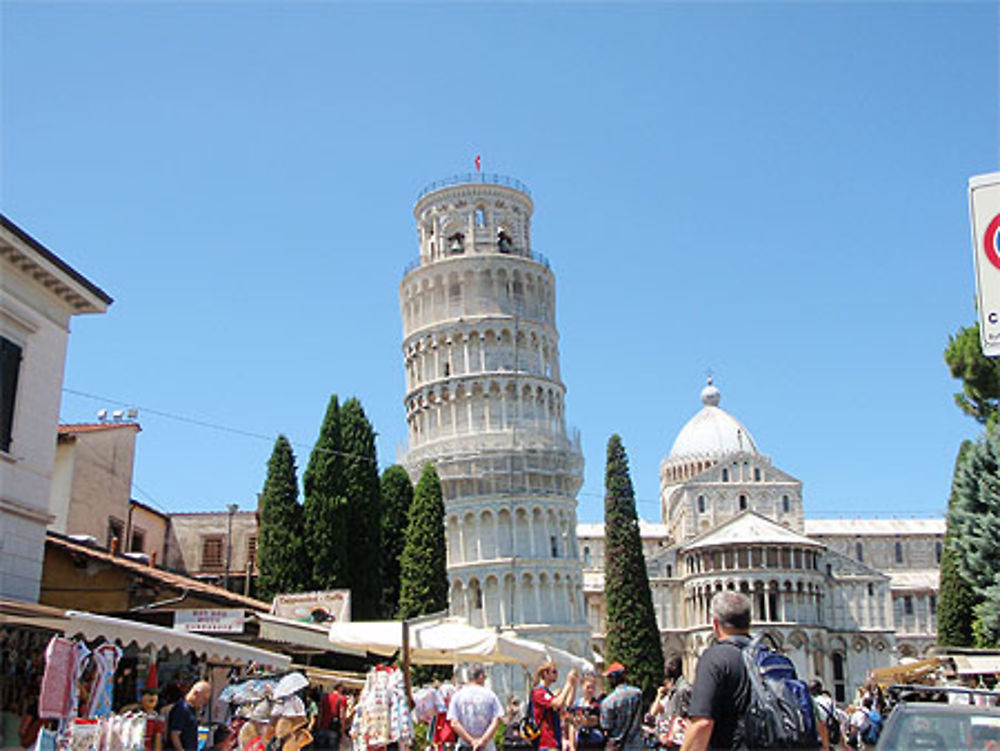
485	403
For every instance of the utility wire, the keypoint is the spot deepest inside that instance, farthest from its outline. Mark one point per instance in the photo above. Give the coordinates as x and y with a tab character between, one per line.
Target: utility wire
211	425
99	461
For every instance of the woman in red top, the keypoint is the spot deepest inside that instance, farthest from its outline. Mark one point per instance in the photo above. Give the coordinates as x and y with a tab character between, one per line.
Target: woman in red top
547	705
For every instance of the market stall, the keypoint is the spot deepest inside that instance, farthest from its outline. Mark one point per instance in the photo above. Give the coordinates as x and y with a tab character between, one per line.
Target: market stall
83	674
923	671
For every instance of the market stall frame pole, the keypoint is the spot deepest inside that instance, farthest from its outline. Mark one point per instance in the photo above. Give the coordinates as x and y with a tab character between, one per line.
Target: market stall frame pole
407	622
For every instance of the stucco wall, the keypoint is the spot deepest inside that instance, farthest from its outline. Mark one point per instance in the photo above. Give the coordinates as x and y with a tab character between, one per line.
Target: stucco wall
191	530
39	325
99	480
154	528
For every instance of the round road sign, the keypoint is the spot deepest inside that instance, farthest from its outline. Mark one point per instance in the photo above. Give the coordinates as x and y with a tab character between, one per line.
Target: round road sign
991	241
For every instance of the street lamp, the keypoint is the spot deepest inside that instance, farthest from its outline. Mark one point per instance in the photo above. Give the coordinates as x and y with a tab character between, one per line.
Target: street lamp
233	508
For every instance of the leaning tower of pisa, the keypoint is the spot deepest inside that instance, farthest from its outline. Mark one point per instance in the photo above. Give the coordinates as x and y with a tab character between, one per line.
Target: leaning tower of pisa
485	403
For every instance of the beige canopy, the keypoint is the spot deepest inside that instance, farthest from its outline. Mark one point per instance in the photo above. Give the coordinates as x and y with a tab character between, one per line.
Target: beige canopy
446	641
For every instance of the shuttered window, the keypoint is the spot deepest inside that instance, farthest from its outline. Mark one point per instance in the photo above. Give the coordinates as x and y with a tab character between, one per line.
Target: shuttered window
10	366
211	553
252	552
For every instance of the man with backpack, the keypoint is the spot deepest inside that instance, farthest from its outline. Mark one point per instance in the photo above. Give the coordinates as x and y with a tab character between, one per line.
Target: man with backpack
546	705
865	726
745	696
721	694
826	712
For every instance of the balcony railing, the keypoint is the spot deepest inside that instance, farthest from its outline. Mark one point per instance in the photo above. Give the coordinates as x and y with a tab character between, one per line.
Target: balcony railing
477	178
531	255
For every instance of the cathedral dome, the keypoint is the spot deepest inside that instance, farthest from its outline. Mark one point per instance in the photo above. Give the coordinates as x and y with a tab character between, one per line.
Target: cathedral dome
713	431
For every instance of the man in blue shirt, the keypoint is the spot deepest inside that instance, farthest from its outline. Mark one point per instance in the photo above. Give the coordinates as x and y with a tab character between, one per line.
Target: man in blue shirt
182	722
621	712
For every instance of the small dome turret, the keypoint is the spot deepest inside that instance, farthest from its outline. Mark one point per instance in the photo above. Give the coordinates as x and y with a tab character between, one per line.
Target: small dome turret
712	432
710	395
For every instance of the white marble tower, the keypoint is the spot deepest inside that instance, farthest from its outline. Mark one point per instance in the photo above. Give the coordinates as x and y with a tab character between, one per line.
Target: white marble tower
485	404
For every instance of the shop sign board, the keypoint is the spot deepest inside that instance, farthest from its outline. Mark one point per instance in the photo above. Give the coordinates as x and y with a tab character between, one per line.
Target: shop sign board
984	210
314	607
212	621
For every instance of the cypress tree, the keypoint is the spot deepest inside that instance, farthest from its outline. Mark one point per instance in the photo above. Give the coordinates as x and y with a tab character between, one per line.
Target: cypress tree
363	555
325	509
957	599
423	585
281	562
631	634
397	495
974	530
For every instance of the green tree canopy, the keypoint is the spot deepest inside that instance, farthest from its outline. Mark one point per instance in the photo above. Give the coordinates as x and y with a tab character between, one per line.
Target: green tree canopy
956	599
632	636
326	522
974	529
397	495
423	573
363	552
280	552
980	375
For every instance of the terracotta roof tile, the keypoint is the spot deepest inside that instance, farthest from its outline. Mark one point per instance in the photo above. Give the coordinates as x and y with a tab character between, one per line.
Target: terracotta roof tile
167	577
91	427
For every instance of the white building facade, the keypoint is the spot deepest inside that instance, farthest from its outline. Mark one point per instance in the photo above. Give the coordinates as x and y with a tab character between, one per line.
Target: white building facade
485	404
39	294
840	597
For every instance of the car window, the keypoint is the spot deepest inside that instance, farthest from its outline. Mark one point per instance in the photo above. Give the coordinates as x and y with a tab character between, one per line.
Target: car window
940	731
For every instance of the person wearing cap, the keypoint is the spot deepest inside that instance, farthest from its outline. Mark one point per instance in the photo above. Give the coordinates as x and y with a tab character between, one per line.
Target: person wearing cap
475	713
621	711
546	704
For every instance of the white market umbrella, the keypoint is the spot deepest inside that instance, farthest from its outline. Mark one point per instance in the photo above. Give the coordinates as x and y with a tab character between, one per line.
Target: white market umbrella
443	641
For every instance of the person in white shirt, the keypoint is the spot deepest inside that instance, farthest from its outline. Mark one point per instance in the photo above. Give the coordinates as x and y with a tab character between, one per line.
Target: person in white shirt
475	713
859	724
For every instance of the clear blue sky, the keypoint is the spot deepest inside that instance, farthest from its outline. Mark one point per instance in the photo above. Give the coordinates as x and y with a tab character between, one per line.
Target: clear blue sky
773	191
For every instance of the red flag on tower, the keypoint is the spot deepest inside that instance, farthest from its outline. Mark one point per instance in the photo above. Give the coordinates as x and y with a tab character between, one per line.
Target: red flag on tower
479	163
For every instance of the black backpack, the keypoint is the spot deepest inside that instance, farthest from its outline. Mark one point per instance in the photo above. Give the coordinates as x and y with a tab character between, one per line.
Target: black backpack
780	714
832	723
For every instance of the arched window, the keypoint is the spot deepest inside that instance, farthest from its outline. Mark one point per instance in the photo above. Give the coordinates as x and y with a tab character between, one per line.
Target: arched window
480	217
701	504
670	571
756	474
859	552
938	549
786	504
839	685
586	555
725	475
899	552
743	503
